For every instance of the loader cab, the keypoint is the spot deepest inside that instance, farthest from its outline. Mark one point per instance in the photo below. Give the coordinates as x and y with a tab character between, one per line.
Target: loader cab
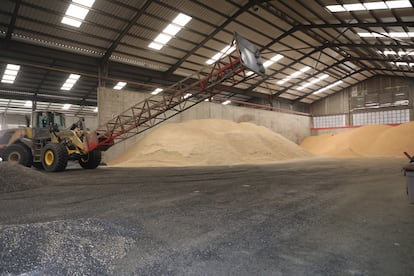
43	122
54	120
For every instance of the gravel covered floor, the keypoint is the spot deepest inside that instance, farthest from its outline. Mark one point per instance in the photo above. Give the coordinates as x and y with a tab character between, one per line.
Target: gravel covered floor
315	217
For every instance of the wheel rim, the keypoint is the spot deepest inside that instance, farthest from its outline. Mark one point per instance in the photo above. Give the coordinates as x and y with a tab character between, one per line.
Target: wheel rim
49	157
14	157
85	159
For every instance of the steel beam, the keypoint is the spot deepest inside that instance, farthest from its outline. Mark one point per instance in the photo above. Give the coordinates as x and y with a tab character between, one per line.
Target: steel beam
210	36
12	23
127	28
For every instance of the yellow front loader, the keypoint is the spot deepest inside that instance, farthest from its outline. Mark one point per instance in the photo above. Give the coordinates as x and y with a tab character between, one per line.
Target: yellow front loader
48	144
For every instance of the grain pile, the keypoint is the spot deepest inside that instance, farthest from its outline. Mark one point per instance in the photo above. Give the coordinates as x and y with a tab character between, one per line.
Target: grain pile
14	178
209	142
366	141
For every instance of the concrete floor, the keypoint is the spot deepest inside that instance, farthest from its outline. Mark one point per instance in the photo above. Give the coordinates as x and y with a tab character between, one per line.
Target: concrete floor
319	217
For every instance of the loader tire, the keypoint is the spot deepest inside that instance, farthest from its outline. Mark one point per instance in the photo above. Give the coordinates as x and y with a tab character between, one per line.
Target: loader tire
54	157
38	165
91	160
18	154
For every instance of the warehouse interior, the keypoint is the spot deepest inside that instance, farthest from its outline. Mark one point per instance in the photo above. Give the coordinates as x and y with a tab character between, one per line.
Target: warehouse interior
209	163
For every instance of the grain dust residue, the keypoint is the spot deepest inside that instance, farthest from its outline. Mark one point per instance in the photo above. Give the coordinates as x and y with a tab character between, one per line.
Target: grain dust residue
366	141
15	178
209	142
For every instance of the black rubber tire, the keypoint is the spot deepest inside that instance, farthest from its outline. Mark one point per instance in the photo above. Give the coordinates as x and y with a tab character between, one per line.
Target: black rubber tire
91	160
54	157
38	165
18	153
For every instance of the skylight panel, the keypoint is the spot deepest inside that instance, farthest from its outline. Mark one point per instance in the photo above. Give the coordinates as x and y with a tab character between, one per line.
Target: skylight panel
87	3
398	4
376	6
354	7
170	31
328	87
182	19
70	82
224	52
388	35
274	59
10	73
120	85
336	8
71	22
13	67
379	5
387	52
155	46
402	53
162	39
8	77
28	104
66	106
398	34
157	91
76	12
402	63
314	81
294	75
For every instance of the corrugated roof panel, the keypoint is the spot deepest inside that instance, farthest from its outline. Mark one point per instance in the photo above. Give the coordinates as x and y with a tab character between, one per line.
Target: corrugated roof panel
62	35
192	67
256	22
206	14
307	101
269	16
7	7
4	20
104	26
139	62
142	32
122	11
140	48
191	35
259	39
162	11
185	40
136	42
150	55
51	14
296	93
152	23
288	96
225	7
224	36
290	40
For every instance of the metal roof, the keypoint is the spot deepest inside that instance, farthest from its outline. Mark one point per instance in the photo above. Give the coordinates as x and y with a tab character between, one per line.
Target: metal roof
112	45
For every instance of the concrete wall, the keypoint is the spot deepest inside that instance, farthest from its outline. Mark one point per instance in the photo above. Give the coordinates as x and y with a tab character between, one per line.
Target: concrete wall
11	121
17	120
111	102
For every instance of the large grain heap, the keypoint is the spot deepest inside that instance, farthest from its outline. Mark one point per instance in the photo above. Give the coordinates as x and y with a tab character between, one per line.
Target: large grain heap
14	178
209	142
366	141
